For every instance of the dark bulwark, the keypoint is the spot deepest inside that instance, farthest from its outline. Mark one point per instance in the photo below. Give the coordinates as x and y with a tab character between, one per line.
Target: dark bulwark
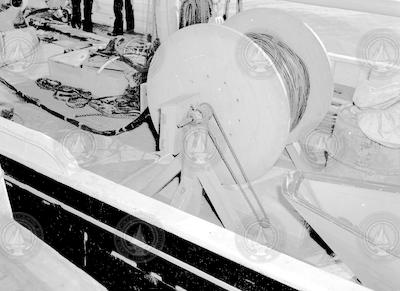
90	247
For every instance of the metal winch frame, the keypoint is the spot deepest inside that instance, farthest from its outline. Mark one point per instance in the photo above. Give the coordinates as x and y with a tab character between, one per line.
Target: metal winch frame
189	149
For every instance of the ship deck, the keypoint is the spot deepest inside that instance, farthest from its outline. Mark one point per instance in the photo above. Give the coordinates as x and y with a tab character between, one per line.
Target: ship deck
115	158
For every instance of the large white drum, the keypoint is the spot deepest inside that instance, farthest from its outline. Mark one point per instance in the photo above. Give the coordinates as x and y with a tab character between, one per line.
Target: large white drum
220	66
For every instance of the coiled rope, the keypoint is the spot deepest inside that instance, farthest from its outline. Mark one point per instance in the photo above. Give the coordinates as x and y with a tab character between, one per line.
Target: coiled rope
292	70
195	11
120	106
144	117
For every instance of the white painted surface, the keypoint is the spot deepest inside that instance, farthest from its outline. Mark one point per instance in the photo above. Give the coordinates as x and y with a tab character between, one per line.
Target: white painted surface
368	207
386	7
340	30
210	236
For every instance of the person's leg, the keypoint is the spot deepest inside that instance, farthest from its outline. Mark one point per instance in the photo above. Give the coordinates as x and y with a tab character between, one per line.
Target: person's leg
130	18
87	13
76	14
226	12
118	22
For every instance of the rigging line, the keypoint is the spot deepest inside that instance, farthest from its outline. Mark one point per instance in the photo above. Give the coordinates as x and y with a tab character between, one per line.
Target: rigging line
213	139
139	68
47	27
291	68
247	180
79	98
36	11
295	76
144	117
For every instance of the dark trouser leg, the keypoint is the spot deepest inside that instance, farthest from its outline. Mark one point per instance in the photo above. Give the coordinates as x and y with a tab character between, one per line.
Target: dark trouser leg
87	13
76	14
118	22
130	18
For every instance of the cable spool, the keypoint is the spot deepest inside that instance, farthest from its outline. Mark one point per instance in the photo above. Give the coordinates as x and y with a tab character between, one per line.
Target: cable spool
197	65
268	87
300	58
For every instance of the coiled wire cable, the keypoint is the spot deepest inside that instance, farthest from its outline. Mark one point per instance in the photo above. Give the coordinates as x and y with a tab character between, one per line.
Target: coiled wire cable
292	69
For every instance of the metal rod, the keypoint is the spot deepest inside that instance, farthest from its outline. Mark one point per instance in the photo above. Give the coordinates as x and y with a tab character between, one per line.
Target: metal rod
213	139
247	180
242	171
